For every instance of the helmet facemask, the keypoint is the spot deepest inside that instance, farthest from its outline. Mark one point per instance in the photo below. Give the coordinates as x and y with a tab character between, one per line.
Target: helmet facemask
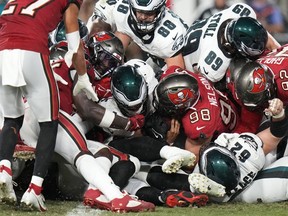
175	94
248	36
131	93
255	86
157	10
105	54
220	165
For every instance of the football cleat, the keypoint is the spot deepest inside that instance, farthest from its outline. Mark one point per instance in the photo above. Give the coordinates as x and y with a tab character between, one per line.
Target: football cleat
7	194
180	198
25	152
95	199
33	199
203	184
129	203
180	159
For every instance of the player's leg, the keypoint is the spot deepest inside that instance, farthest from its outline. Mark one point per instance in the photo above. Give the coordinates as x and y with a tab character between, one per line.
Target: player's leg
124	166
102	192
261	190
148	149
11	106
42	95
13	119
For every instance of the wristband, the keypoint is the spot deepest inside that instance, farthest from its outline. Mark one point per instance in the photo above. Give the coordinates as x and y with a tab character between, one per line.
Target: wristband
279	128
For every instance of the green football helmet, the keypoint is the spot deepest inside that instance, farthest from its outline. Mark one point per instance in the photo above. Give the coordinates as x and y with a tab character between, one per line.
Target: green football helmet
147	6
247	36
59	34
220	165
129	90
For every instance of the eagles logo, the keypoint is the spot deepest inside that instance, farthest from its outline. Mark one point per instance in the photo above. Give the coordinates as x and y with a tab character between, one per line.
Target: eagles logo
181	96
259	81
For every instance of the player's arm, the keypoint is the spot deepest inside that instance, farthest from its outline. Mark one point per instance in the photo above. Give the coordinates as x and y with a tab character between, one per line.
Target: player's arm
75	52
99	115
86	9
99	25
177	60
125	39
278	128
74	43
194	145
272	43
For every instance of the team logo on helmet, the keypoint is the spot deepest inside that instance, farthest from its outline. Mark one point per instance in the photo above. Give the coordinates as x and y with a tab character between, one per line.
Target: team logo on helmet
259	81
143	2
102	36
179	97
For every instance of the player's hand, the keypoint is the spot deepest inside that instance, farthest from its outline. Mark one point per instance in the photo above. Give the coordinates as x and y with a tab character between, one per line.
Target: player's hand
173	132
84	84
136	122
226	138
275	109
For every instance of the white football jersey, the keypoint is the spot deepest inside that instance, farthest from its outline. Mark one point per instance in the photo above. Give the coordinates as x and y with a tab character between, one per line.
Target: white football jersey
104	10
247	148
203	51
166	40
149	76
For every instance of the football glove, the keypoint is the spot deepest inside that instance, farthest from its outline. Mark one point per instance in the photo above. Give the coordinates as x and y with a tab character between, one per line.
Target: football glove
156	126
136	122
84	84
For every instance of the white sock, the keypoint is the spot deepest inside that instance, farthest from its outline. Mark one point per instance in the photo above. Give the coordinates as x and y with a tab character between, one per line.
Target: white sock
94	174
37	180
6	163
105	163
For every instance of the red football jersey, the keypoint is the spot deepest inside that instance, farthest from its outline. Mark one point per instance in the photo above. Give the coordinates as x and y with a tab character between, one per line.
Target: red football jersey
277	61
25	24
66	91
213	113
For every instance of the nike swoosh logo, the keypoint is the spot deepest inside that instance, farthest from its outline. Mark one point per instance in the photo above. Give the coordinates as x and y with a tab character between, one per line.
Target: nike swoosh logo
156	134
103	7
200	128
175	36
205	71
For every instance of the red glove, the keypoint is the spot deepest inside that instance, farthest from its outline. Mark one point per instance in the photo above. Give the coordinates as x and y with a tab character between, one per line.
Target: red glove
136	122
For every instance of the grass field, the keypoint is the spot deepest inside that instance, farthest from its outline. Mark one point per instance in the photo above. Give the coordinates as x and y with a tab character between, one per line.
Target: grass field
235	209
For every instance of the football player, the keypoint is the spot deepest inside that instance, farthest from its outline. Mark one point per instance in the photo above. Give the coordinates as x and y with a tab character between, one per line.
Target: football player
153	27
24	68
203	111
130	89
211	43
80	153
248	150
257	82
104	53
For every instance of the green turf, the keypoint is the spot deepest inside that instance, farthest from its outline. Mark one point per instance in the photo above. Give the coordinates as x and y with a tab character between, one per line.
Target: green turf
235	209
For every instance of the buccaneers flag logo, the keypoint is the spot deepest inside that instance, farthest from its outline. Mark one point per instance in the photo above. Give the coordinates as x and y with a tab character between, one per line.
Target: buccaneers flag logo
180	96
258	81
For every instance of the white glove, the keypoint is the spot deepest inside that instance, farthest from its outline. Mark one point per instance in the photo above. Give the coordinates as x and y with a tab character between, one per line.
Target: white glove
84	84
58	78
226	138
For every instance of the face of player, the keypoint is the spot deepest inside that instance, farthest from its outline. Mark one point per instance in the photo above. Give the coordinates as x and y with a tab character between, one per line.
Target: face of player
145	16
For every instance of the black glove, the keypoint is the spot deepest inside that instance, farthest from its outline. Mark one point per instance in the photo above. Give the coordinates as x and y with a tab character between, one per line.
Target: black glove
156	126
